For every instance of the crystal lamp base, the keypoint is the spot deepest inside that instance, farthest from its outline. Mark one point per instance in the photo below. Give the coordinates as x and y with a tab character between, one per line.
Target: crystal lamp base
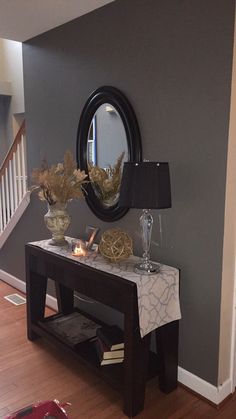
147	268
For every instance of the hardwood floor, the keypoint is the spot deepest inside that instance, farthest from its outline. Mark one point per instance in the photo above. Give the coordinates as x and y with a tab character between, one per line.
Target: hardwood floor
35	371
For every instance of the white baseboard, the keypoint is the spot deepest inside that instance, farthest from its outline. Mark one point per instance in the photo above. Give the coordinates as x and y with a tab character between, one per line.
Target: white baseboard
21	286
51	302
215	394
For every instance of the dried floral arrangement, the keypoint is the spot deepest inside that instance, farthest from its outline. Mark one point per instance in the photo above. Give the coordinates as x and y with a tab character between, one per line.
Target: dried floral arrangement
59	183
106	181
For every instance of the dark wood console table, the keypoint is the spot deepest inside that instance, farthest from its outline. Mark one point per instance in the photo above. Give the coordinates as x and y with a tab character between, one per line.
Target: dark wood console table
113	291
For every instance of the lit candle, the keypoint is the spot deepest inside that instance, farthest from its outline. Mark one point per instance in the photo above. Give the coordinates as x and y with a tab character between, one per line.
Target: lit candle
79	249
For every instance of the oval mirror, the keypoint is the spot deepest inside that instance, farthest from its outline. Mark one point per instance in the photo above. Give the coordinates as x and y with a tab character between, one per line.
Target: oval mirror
108	135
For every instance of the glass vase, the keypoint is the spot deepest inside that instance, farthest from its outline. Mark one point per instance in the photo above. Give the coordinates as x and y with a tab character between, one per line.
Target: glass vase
57	220
111	201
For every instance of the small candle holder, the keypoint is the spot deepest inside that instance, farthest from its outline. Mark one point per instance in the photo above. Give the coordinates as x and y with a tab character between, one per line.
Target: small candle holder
79	248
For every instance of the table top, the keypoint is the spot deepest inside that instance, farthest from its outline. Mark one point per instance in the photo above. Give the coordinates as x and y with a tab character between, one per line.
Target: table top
158	295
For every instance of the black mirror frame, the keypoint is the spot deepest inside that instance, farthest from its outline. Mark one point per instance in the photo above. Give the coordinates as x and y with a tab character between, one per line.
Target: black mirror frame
113	96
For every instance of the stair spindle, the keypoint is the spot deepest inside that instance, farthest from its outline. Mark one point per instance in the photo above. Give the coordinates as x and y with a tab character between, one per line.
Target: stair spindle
7	195
19	180
12	209
3	202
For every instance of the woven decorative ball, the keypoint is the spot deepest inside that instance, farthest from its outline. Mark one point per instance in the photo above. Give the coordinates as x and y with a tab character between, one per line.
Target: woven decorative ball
115	245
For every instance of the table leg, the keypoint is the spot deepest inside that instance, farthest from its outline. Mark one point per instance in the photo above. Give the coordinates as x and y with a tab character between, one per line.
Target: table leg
65	298
167	337
135	364
36	286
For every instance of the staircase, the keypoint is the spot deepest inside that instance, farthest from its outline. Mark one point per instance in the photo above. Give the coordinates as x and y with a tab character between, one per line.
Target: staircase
14	196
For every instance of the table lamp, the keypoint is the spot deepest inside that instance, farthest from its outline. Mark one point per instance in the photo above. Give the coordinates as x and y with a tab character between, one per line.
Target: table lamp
145	185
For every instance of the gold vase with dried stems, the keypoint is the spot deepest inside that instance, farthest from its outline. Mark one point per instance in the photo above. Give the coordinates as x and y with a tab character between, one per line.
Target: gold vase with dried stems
57	185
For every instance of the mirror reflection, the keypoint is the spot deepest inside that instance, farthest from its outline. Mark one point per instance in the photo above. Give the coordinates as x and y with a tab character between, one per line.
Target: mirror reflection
107	150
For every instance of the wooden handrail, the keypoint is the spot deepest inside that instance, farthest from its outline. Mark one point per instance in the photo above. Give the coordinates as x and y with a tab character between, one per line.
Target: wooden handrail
13	148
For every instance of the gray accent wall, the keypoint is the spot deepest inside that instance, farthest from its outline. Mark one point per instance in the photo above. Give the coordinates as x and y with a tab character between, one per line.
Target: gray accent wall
172	59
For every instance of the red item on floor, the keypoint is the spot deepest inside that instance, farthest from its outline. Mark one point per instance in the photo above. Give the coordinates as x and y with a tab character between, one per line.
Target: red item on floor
50	409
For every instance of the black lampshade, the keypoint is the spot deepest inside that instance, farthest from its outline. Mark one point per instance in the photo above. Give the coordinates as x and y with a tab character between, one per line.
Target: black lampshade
145	185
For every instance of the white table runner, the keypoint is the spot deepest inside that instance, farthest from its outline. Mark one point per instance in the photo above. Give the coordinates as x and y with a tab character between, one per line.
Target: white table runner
158	295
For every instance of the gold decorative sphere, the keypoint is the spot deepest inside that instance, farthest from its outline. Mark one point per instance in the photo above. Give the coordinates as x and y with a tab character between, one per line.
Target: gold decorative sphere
115	245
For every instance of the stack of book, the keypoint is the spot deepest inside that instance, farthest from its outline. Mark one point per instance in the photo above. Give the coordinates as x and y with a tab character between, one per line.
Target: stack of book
110	345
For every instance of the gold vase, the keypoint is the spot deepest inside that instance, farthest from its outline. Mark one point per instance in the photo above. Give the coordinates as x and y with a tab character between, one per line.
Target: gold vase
57	220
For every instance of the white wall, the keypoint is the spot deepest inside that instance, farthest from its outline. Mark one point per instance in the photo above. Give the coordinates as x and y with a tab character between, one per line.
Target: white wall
228	313
11	93
2	66
4	107
11	70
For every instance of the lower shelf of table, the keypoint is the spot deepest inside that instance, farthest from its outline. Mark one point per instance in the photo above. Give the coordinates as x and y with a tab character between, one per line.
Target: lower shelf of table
86	353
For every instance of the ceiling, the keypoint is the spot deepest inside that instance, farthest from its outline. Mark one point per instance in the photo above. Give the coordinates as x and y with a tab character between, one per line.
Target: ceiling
23	19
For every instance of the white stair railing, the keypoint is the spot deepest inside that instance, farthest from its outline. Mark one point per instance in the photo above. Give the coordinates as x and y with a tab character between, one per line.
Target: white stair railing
14	197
